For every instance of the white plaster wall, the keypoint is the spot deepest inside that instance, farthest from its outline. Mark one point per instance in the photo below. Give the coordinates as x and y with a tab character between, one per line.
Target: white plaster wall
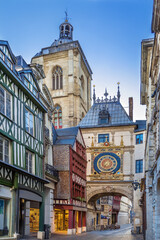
126	163
27	218
126	138
49	208
5	192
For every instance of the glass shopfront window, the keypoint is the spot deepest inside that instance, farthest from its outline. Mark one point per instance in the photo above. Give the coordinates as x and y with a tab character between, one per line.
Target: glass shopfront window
61	220
4	216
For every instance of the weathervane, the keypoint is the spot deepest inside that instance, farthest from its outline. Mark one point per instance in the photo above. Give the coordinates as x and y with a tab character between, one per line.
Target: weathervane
66	19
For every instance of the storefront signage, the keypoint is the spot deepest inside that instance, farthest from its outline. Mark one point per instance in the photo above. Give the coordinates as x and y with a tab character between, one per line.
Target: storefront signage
78	180
70	202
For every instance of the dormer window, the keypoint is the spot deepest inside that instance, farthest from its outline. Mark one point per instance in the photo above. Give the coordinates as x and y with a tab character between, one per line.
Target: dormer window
104	117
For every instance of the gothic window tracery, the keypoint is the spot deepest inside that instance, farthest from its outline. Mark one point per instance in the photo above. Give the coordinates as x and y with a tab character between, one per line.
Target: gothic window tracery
57	78
58	117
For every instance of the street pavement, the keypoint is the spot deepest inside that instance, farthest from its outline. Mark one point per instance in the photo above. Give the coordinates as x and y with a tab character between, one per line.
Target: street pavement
124	233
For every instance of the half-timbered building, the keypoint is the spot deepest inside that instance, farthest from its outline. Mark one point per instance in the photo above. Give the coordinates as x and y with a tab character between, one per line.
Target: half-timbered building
21	147
70	195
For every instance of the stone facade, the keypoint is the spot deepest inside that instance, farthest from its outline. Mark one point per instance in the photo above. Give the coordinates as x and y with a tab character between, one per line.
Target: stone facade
150	83
74	93
121	141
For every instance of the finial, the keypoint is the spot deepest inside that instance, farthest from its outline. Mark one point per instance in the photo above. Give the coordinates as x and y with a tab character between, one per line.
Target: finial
94	94
106	94
118	92
92	144
122	143
66	19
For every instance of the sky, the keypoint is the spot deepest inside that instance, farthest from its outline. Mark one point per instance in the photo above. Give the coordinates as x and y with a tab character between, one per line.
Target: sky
109	31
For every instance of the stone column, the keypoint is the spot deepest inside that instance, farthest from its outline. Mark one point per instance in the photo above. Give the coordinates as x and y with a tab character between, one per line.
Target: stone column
131	165
83	221
79	222
27	217
70	223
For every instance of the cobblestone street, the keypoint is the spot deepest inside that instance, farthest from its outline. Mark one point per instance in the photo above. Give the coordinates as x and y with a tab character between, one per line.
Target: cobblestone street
121	234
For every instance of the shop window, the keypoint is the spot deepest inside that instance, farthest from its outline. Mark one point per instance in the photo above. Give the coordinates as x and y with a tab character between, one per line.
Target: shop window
57	80
4	216
139	166
34	217
61	220
139	138
29	122
4	149
58	117
103	138
30	162
5	102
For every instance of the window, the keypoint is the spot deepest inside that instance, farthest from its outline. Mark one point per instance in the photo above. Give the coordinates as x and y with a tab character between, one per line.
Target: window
4	149
30	163
139	138
5	102
57	78
58	117
139	166
104	116
103	138
29	122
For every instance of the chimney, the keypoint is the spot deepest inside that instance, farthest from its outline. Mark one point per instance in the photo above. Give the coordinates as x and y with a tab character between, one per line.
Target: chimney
131	108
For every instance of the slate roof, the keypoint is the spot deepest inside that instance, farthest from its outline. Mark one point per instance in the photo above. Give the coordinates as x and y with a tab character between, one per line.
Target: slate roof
118	115
141	125
65	136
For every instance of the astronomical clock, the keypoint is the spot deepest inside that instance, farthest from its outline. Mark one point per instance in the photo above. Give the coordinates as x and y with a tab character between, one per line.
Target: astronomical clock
107	161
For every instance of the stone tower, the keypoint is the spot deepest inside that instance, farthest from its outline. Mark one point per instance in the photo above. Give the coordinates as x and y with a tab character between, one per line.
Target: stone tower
68	77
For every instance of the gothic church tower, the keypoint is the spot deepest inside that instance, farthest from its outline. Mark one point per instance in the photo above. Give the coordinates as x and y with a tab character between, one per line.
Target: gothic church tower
68	77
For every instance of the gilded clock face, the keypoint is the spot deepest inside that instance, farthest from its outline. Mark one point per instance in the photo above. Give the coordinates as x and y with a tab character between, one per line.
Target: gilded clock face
107	162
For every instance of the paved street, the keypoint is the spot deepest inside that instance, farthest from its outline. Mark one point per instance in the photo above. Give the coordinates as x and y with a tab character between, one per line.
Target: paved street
121	234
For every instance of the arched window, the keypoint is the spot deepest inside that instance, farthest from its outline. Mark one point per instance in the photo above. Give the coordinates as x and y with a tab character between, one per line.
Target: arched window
57	117
66	30
57	78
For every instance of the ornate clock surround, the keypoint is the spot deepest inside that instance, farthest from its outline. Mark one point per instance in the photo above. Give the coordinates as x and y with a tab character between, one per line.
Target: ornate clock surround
107	161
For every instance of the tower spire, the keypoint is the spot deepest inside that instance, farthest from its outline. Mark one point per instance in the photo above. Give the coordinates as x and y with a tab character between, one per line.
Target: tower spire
118	92
94	94
106	95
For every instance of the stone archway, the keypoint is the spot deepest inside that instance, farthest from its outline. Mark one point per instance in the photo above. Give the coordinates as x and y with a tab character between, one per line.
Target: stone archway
96	190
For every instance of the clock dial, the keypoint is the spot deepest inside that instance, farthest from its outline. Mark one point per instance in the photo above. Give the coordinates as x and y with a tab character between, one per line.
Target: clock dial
107	162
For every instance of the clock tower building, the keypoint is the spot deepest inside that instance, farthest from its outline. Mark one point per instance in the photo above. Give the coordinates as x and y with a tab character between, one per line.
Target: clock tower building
68	77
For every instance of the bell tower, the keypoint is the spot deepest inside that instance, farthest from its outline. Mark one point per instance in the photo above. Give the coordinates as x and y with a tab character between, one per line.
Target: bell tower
66	30
68	77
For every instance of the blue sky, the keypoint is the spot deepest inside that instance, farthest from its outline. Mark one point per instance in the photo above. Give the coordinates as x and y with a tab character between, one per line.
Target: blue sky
109	31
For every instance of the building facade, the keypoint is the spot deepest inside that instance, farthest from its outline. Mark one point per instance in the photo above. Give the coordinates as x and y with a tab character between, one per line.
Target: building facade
68	77
150	81
50	172
21	148
70	195
109	135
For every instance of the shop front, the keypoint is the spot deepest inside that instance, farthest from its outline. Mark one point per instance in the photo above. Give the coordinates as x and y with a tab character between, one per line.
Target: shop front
69	219
5	209
29	212
61	220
